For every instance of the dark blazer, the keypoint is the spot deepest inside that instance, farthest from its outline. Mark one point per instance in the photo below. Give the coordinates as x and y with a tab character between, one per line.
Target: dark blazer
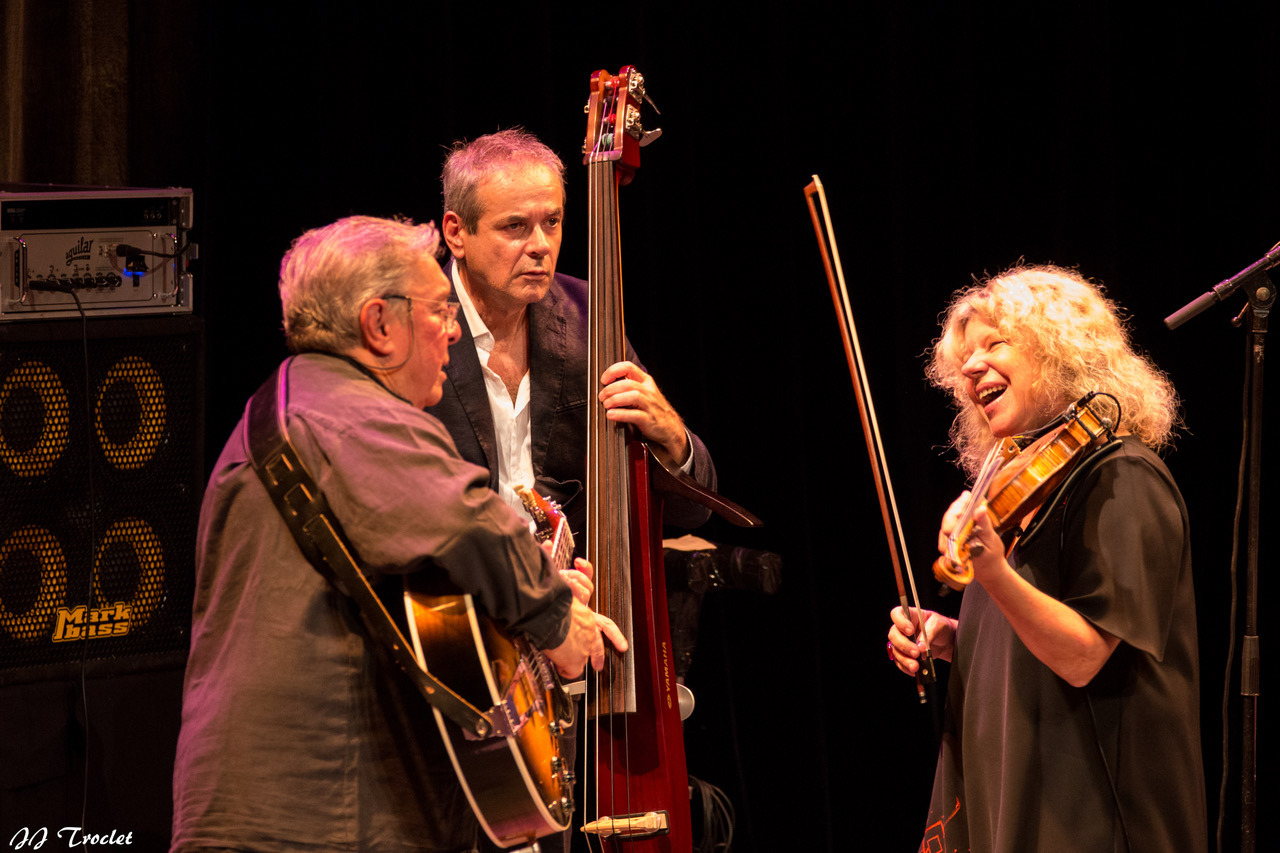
559	395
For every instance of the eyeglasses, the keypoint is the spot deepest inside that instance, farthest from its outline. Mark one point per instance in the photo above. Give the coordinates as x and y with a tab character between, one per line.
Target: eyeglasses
446	311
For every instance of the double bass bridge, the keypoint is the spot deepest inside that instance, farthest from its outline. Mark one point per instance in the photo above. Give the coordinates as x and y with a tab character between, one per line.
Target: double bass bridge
629	827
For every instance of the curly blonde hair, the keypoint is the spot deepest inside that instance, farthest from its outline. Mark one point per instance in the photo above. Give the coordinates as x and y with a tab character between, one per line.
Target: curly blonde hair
1077	337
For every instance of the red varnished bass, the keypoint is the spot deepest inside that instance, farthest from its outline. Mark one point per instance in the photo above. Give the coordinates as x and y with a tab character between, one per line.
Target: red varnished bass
640	797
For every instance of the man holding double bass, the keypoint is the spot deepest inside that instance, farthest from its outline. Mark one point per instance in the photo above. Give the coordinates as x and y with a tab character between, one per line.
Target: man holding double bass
516	399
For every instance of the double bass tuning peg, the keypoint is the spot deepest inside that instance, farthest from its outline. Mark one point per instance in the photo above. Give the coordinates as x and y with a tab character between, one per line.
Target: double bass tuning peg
635	129
650	102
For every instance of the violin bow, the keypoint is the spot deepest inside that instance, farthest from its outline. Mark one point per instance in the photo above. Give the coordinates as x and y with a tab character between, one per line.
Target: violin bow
870	426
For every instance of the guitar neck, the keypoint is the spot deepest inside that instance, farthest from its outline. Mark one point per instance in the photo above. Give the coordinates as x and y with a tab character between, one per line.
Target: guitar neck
550	526
562	546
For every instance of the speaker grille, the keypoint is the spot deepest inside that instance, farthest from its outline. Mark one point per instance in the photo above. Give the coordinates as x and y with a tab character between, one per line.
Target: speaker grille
100	483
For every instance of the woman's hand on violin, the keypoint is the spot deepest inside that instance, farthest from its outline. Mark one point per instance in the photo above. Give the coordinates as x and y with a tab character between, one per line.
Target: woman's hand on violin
1057	635
984	547
905	647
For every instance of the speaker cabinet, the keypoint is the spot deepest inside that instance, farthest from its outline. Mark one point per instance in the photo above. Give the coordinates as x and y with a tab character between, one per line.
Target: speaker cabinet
101	475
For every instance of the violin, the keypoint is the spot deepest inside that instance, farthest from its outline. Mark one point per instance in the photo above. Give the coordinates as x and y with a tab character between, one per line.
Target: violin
1017	477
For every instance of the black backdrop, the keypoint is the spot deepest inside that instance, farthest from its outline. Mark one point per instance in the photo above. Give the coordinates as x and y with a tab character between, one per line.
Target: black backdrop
953	138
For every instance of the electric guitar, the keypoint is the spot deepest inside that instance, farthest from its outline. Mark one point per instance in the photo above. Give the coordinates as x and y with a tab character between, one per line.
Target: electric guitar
518	780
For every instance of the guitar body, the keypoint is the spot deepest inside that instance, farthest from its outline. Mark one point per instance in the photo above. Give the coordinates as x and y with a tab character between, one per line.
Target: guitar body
519	784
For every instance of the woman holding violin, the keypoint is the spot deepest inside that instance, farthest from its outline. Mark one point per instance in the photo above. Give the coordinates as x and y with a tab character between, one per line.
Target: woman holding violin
1073	701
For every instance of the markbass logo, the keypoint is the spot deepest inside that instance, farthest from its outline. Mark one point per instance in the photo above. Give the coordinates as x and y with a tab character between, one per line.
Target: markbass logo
81	623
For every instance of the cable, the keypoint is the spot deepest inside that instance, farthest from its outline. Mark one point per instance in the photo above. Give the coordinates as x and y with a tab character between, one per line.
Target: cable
124	250
92	517
1233	617
718	817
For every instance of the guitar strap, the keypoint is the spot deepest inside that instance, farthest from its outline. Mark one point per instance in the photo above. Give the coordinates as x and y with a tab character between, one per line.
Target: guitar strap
320	537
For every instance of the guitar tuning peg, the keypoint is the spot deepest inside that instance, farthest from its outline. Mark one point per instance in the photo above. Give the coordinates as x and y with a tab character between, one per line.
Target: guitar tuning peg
649	136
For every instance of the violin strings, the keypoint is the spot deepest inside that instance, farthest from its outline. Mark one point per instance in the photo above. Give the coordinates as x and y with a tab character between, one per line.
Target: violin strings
990	467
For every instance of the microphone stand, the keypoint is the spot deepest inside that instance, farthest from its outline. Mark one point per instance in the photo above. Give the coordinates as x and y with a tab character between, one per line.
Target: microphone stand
1261	294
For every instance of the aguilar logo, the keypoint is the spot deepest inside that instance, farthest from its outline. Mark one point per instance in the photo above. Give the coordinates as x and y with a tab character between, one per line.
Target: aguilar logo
79	623
81	251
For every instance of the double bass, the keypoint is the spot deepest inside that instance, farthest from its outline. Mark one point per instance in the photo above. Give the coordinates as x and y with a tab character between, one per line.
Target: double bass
639	796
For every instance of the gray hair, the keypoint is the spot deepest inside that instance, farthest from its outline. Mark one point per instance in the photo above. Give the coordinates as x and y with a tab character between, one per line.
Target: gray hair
469	163
329	273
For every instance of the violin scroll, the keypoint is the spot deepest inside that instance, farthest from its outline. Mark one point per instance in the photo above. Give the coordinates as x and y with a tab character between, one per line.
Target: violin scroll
958	575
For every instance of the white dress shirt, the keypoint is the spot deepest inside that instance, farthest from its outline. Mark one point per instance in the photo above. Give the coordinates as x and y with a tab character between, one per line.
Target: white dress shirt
512	425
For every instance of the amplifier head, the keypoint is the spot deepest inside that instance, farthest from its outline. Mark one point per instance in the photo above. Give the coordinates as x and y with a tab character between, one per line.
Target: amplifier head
121	251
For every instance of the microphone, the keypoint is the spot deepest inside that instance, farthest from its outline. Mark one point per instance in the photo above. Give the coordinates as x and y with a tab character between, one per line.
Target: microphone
1223	289
1266	262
